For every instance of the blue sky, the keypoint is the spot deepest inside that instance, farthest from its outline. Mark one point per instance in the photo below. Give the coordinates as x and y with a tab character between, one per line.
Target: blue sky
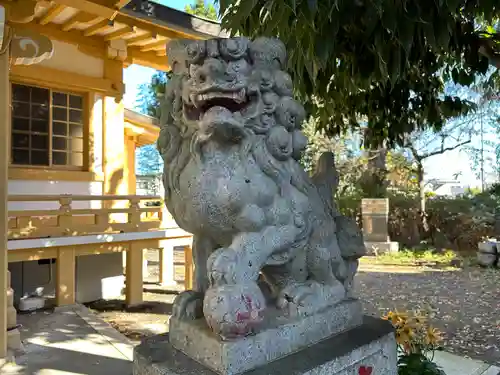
441	166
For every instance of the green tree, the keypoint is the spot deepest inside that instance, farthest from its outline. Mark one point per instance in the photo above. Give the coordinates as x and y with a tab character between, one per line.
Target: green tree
202	9
148	159
148	101
353	165
382	62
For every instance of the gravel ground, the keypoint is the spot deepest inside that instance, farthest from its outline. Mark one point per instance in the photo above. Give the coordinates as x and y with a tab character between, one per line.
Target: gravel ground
464	304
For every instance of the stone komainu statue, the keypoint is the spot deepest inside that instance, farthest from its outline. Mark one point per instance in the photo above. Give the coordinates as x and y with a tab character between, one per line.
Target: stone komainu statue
266	238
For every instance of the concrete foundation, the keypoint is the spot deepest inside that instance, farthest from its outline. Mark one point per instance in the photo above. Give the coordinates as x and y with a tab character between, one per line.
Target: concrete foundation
369	349
376	248
97	276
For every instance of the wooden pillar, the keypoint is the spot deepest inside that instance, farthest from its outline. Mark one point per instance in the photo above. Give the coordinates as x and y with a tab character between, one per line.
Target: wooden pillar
188	268
133	274
4	167
65	280
115	180
130	165
167	268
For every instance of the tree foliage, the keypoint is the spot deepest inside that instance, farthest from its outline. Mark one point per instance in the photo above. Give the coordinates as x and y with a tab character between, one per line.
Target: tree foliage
148	101
201	9
382	62
148	160
353	166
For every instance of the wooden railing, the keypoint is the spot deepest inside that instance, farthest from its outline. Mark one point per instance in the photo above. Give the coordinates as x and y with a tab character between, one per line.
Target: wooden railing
67	220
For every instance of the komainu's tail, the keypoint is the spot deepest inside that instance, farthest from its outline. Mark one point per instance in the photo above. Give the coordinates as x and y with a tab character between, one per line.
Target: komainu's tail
349	235
326	179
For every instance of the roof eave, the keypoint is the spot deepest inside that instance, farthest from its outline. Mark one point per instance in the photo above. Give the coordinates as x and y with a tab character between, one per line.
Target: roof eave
174	19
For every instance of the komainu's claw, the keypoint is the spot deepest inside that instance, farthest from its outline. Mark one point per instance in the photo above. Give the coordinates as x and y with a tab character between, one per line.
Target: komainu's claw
188	305
307	298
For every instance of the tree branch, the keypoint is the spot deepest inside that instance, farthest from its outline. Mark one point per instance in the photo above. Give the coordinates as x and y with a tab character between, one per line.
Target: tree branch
443	149
414	152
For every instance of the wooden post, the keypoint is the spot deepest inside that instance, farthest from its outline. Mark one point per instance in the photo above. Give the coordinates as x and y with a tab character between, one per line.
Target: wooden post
65	280
133	274
130	166
65	218
167	268
4	167
134	218
188	267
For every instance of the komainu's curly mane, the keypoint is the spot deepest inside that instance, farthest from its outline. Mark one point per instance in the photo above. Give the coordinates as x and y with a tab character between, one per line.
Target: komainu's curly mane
174	141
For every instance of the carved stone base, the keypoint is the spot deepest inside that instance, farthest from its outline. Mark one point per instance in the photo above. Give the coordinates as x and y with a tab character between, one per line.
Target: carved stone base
488	253
278	337
367	349
375	248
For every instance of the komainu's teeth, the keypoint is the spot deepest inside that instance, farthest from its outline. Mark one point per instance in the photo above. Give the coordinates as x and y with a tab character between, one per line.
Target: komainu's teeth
195	99
237	96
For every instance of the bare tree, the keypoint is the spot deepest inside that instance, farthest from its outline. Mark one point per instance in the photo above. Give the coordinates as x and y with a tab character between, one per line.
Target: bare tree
425	144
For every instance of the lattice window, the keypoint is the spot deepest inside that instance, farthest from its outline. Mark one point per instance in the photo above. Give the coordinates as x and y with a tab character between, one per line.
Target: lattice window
47	127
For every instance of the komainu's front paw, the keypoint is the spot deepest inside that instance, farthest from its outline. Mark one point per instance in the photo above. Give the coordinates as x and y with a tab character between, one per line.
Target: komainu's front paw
303	299
188	305
222	266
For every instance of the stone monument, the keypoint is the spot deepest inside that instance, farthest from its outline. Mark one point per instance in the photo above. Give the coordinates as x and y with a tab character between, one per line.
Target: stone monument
274	260
375	215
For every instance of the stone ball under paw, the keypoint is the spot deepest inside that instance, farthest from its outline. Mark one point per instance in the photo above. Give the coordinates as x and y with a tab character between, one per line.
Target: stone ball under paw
234	311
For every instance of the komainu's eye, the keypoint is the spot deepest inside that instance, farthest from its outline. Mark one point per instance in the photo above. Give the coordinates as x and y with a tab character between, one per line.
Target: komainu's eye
196	51
233	48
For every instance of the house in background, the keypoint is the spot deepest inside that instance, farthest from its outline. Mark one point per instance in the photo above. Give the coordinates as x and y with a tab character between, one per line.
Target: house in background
150	184
446	188
69	166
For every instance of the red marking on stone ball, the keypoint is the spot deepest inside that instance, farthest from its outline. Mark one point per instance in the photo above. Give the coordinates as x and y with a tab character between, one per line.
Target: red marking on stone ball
365	370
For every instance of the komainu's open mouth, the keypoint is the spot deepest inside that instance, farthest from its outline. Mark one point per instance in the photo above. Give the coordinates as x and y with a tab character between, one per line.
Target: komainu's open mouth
234	101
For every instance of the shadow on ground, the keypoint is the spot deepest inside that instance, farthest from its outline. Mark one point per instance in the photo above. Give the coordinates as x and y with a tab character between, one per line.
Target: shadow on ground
63	343
156	307
144	320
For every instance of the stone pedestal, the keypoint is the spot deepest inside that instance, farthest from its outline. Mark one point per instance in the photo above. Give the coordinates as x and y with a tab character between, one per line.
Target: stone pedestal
375	215
376	248
369	348
278	337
